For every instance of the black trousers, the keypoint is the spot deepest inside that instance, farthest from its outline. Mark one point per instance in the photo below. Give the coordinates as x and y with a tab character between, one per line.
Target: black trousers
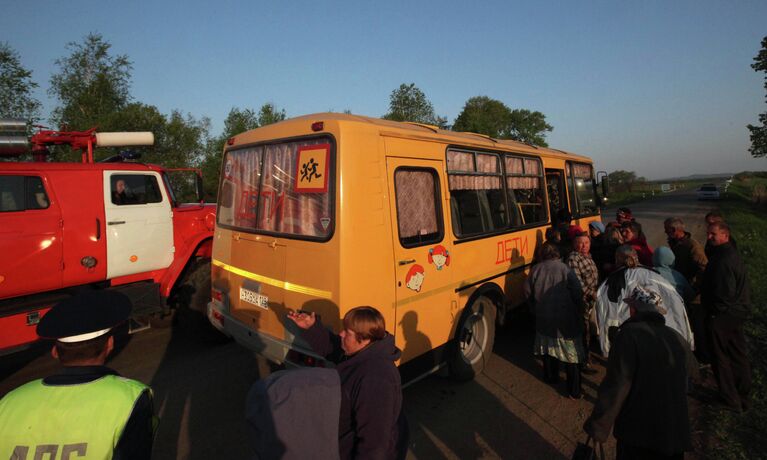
572	371
697	315
625	451
729	360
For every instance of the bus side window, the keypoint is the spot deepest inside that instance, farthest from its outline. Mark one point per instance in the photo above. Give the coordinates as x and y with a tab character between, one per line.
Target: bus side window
418	214
525	185
477	200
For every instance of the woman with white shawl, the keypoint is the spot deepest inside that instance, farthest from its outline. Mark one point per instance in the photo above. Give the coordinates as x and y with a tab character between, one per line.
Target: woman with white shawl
612	311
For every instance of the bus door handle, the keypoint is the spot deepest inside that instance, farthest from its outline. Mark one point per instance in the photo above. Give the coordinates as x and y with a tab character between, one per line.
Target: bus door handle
116	222
406	261
98	229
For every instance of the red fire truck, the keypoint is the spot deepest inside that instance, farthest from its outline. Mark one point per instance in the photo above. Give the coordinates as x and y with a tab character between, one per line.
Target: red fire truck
114	224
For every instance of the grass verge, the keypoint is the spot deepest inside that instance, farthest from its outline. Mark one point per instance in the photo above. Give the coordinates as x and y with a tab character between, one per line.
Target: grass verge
745	436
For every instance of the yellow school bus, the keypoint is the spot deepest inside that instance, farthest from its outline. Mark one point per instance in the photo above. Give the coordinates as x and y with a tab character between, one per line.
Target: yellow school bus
434	228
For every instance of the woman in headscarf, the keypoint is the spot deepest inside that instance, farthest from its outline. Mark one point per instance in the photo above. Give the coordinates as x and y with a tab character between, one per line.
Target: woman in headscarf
557	300
612	311
663	261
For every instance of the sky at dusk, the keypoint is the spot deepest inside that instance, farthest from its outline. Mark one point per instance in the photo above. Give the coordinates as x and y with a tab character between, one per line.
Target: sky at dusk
661	88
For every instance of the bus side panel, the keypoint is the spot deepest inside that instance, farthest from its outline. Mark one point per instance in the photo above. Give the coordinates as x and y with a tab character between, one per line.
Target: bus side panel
312	269
366	270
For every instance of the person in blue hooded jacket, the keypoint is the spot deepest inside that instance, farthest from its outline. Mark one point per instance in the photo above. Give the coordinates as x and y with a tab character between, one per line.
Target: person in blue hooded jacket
663	261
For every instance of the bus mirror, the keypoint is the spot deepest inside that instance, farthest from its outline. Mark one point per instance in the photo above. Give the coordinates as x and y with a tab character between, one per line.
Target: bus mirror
602	178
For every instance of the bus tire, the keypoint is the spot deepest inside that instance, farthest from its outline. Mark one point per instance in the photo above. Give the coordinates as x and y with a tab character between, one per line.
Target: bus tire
473	341
192	299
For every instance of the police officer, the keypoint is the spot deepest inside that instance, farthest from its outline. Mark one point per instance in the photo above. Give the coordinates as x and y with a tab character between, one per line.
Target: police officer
87	410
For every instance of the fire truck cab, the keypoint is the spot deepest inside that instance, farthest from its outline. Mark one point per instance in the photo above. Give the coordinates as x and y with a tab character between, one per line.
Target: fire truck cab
65	227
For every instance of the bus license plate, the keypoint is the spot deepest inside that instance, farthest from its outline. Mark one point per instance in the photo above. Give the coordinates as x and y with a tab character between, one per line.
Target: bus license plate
254	298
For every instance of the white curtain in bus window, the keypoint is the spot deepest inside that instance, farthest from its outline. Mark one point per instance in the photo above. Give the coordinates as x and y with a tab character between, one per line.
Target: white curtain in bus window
523	180
582	187
282	208
417	212
477	202
239	188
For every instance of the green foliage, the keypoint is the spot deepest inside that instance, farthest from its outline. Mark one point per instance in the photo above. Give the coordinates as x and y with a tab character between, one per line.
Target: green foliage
16	85
238	121
529	127
485	116
759	133
409	103
91	84
183	141
622	181
268	114
493	118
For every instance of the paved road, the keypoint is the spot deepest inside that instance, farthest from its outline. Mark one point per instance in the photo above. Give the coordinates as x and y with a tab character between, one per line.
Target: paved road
506	412
653	212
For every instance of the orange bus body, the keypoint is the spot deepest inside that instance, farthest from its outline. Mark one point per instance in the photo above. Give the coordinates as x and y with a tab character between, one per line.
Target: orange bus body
434	228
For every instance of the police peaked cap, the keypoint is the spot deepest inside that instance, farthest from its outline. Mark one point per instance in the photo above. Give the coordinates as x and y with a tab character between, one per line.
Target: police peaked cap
85	316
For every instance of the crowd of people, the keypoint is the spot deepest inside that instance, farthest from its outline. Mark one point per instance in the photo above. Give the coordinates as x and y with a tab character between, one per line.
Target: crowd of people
647	309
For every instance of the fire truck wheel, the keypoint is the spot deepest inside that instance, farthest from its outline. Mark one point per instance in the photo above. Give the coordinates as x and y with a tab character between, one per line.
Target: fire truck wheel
473	342
191	303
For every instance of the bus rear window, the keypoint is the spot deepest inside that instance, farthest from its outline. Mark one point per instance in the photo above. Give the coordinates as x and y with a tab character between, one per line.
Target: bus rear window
283	188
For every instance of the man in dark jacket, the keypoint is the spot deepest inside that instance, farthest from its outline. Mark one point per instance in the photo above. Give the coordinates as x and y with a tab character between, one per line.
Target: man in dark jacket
725	296
690	259
644	393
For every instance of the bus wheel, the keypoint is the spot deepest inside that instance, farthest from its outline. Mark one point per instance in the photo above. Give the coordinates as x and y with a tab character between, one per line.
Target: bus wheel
473	342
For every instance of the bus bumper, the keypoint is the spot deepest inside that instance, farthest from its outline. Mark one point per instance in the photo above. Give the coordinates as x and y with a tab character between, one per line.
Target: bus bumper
271	348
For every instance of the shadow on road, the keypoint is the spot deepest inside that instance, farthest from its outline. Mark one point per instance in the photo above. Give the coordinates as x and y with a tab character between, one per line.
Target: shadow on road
442	424
200	393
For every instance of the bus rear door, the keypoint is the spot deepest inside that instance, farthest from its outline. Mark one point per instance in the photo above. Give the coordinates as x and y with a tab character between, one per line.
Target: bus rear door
424	292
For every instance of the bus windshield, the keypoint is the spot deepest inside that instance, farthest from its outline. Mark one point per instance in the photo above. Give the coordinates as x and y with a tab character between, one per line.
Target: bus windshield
283	188
583	199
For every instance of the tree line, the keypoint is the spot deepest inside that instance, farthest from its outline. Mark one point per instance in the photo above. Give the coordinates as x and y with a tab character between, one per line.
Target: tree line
92	89
91	86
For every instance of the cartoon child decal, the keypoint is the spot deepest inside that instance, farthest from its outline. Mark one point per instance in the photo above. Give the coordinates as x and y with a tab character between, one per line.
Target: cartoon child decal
414	278
439	256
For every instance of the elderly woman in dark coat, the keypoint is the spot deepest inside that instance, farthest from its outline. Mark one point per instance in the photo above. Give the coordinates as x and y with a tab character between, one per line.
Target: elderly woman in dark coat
371	423
557	299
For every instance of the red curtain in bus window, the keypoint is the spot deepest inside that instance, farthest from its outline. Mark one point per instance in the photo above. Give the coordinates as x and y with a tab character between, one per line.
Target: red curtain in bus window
284	210
416	204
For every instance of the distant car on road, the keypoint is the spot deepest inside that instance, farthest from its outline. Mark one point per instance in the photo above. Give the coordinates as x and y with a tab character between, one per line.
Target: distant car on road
708	192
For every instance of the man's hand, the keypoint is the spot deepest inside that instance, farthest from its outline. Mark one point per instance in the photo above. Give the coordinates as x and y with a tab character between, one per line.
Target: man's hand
303	319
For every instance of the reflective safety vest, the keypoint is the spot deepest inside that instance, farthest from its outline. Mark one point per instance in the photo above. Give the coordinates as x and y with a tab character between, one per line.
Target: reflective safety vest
66	422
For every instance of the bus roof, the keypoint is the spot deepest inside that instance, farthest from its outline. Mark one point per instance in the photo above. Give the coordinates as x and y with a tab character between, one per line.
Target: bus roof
422	131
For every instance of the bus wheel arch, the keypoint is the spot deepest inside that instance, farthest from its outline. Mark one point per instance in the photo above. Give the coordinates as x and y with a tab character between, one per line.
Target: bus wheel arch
494	292
472	344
